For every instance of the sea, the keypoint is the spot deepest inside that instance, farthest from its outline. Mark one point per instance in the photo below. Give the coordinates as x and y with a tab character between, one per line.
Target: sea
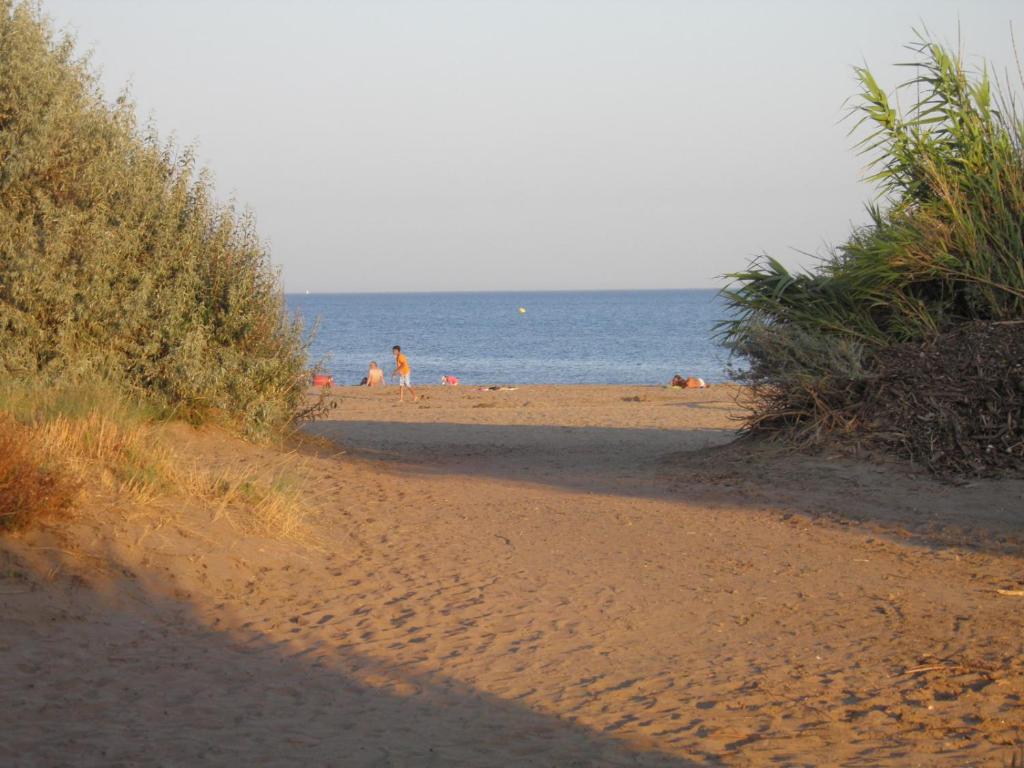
550	337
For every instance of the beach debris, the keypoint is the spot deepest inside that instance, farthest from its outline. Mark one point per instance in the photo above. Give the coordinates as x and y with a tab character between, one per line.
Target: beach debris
1010	592
522	310
954	403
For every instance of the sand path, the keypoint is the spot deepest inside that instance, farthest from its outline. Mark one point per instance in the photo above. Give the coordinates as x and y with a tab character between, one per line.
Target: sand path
551	577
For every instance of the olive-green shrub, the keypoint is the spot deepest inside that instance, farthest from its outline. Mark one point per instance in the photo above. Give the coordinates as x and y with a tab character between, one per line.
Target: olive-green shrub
116	261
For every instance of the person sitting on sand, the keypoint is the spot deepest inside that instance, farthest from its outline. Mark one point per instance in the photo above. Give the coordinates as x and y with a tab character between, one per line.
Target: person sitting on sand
402	371
374	376
678	381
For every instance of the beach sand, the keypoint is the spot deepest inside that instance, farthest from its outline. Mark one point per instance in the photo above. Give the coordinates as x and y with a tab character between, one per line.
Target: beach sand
545	576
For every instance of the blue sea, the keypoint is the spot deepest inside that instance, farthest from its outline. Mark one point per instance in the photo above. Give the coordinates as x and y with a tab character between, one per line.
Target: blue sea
571	337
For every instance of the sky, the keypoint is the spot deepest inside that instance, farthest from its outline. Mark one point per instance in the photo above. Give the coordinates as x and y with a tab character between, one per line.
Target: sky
433	145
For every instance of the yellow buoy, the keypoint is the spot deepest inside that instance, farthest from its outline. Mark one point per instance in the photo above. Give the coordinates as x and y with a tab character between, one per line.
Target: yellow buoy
522	310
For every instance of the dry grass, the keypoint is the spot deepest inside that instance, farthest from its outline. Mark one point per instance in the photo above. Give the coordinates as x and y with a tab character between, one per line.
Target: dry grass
123	458
95	439
29	487
267	501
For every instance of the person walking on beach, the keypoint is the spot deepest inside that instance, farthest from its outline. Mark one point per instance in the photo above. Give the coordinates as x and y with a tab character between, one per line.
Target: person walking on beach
402	371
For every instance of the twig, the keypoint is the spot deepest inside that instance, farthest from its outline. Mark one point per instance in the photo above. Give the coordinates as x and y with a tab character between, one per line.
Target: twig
929	668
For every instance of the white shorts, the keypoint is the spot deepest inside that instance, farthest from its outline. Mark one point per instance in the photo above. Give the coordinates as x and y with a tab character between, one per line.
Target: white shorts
403	380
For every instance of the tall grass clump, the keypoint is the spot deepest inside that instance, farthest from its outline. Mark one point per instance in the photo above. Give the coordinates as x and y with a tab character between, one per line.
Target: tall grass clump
943	252
90	442
31	486
116	261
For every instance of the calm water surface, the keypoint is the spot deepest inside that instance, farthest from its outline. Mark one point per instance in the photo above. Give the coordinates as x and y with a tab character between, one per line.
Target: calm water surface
578	337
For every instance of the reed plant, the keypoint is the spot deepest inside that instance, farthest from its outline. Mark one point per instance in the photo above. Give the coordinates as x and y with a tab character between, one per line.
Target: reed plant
944	247
117	263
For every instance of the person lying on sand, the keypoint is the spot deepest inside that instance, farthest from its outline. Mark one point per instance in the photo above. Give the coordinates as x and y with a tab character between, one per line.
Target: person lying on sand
690	382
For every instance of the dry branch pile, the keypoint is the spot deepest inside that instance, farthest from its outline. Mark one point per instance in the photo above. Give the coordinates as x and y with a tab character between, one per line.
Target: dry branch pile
954	404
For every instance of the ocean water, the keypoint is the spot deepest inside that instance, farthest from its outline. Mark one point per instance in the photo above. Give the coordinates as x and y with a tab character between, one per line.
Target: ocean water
571	337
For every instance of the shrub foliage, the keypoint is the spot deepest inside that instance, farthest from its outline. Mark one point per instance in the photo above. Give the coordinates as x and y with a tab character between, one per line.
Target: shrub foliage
944	249
116	261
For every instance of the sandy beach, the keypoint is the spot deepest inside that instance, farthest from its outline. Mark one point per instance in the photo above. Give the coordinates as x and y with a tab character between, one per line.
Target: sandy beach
542	576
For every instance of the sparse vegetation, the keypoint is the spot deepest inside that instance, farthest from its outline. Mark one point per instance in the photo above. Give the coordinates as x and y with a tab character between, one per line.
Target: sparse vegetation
944	249
91	437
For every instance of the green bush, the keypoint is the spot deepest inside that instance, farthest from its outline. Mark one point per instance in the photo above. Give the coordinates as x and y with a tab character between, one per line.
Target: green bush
116	262
944	248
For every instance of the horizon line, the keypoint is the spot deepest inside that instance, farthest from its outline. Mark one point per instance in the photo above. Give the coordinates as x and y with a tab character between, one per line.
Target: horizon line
495	290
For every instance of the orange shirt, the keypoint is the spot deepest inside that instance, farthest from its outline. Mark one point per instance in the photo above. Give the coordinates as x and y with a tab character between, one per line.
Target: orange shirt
402	364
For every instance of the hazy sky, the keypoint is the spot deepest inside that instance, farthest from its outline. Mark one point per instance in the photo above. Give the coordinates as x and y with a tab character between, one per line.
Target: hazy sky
518	144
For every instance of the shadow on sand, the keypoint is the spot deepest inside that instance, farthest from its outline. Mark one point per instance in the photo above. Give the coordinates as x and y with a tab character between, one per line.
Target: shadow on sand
705	467
147	682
